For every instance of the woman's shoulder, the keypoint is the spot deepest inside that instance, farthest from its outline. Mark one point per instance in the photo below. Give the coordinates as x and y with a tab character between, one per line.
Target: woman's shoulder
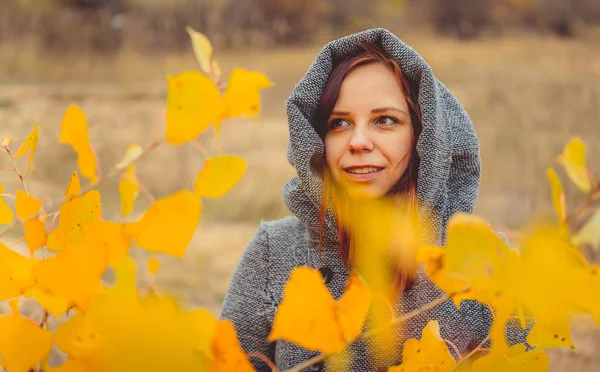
277	237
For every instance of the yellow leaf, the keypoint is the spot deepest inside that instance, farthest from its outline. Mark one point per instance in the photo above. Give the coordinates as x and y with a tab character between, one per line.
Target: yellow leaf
55	305
229	355
35	234
573	160
6	214
589	233
193	103
30	145
168	225
430	352
219	175
72	273
16	273
310	317
203	49
242	93
128	185
23	344
6	141
515	360
129	190
26	205
112	236
552	334
558	195
74	131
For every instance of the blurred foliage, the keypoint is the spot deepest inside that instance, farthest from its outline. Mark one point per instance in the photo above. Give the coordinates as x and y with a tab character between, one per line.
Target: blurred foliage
147	25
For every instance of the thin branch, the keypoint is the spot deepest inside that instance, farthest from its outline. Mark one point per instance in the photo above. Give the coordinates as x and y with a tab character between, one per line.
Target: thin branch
16	169
453	346
264	359
147	194
16	242
7	169
198	146
112	174
8	196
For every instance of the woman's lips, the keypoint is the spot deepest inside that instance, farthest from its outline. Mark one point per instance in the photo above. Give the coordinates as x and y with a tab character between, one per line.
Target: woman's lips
363	177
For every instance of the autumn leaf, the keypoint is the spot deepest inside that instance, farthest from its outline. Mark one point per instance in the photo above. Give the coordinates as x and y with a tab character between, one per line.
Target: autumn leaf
74	131
6	141
30	145
558	195
517	359
168	225
193	103
6	214
430	352
227	351
203	49
242	93
16	273
55	305
73	273
573	161
219	175
128	185
27	207
23	344
310	317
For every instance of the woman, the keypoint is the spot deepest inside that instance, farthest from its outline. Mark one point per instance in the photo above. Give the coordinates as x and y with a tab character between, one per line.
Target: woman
369	115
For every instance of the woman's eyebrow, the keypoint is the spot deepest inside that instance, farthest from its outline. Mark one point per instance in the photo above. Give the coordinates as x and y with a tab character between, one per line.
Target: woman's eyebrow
341	113
384	109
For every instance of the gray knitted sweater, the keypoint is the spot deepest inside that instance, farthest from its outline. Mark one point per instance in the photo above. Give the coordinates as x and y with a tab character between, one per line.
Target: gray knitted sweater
448	181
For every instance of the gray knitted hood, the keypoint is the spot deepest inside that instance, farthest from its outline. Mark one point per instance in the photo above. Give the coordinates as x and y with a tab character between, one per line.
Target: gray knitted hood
449	171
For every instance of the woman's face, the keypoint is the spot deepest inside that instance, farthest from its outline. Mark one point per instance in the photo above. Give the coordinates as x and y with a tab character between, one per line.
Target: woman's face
369	133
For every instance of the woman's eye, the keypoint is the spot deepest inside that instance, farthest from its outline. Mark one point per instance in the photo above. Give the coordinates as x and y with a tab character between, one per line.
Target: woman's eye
338	123
386	120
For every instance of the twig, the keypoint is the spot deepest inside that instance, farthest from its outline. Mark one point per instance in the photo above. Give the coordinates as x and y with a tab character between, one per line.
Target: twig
8	196
264	359
113	173
391	324
147	194
198	146
16	169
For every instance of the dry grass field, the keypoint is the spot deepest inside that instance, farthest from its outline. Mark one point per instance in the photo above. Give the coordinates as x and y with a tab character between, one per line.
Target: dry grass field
527	97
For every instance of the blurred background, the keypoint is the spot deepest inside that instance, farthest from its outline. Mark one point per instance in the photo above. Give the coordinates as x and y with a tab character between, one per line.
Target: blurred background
527	71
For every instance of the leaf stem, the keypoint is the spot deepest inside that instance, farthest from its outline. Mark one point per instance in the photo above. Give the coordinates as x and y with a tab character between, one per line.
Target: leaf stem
112	174
262	357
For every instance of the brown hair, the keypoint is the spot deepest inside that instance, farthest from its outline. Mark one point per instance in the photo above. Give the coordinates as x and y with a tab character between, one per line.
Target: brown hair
405	188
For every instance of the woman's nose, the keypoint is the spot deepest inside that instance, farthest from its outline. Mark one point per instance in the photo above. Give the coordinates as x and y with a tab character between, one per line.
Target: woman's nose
360	141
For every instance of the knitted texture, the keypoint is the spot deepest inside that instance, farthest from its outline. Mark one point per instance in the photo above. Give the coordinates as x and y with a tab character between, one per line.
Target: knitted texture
447	183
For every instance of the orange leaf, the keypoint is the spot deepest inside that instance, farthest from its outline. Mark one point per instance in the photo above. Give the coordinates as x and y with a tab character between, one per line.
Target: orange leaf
73	273
168	225
23	344
229	355
310	317
35	234
219	175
